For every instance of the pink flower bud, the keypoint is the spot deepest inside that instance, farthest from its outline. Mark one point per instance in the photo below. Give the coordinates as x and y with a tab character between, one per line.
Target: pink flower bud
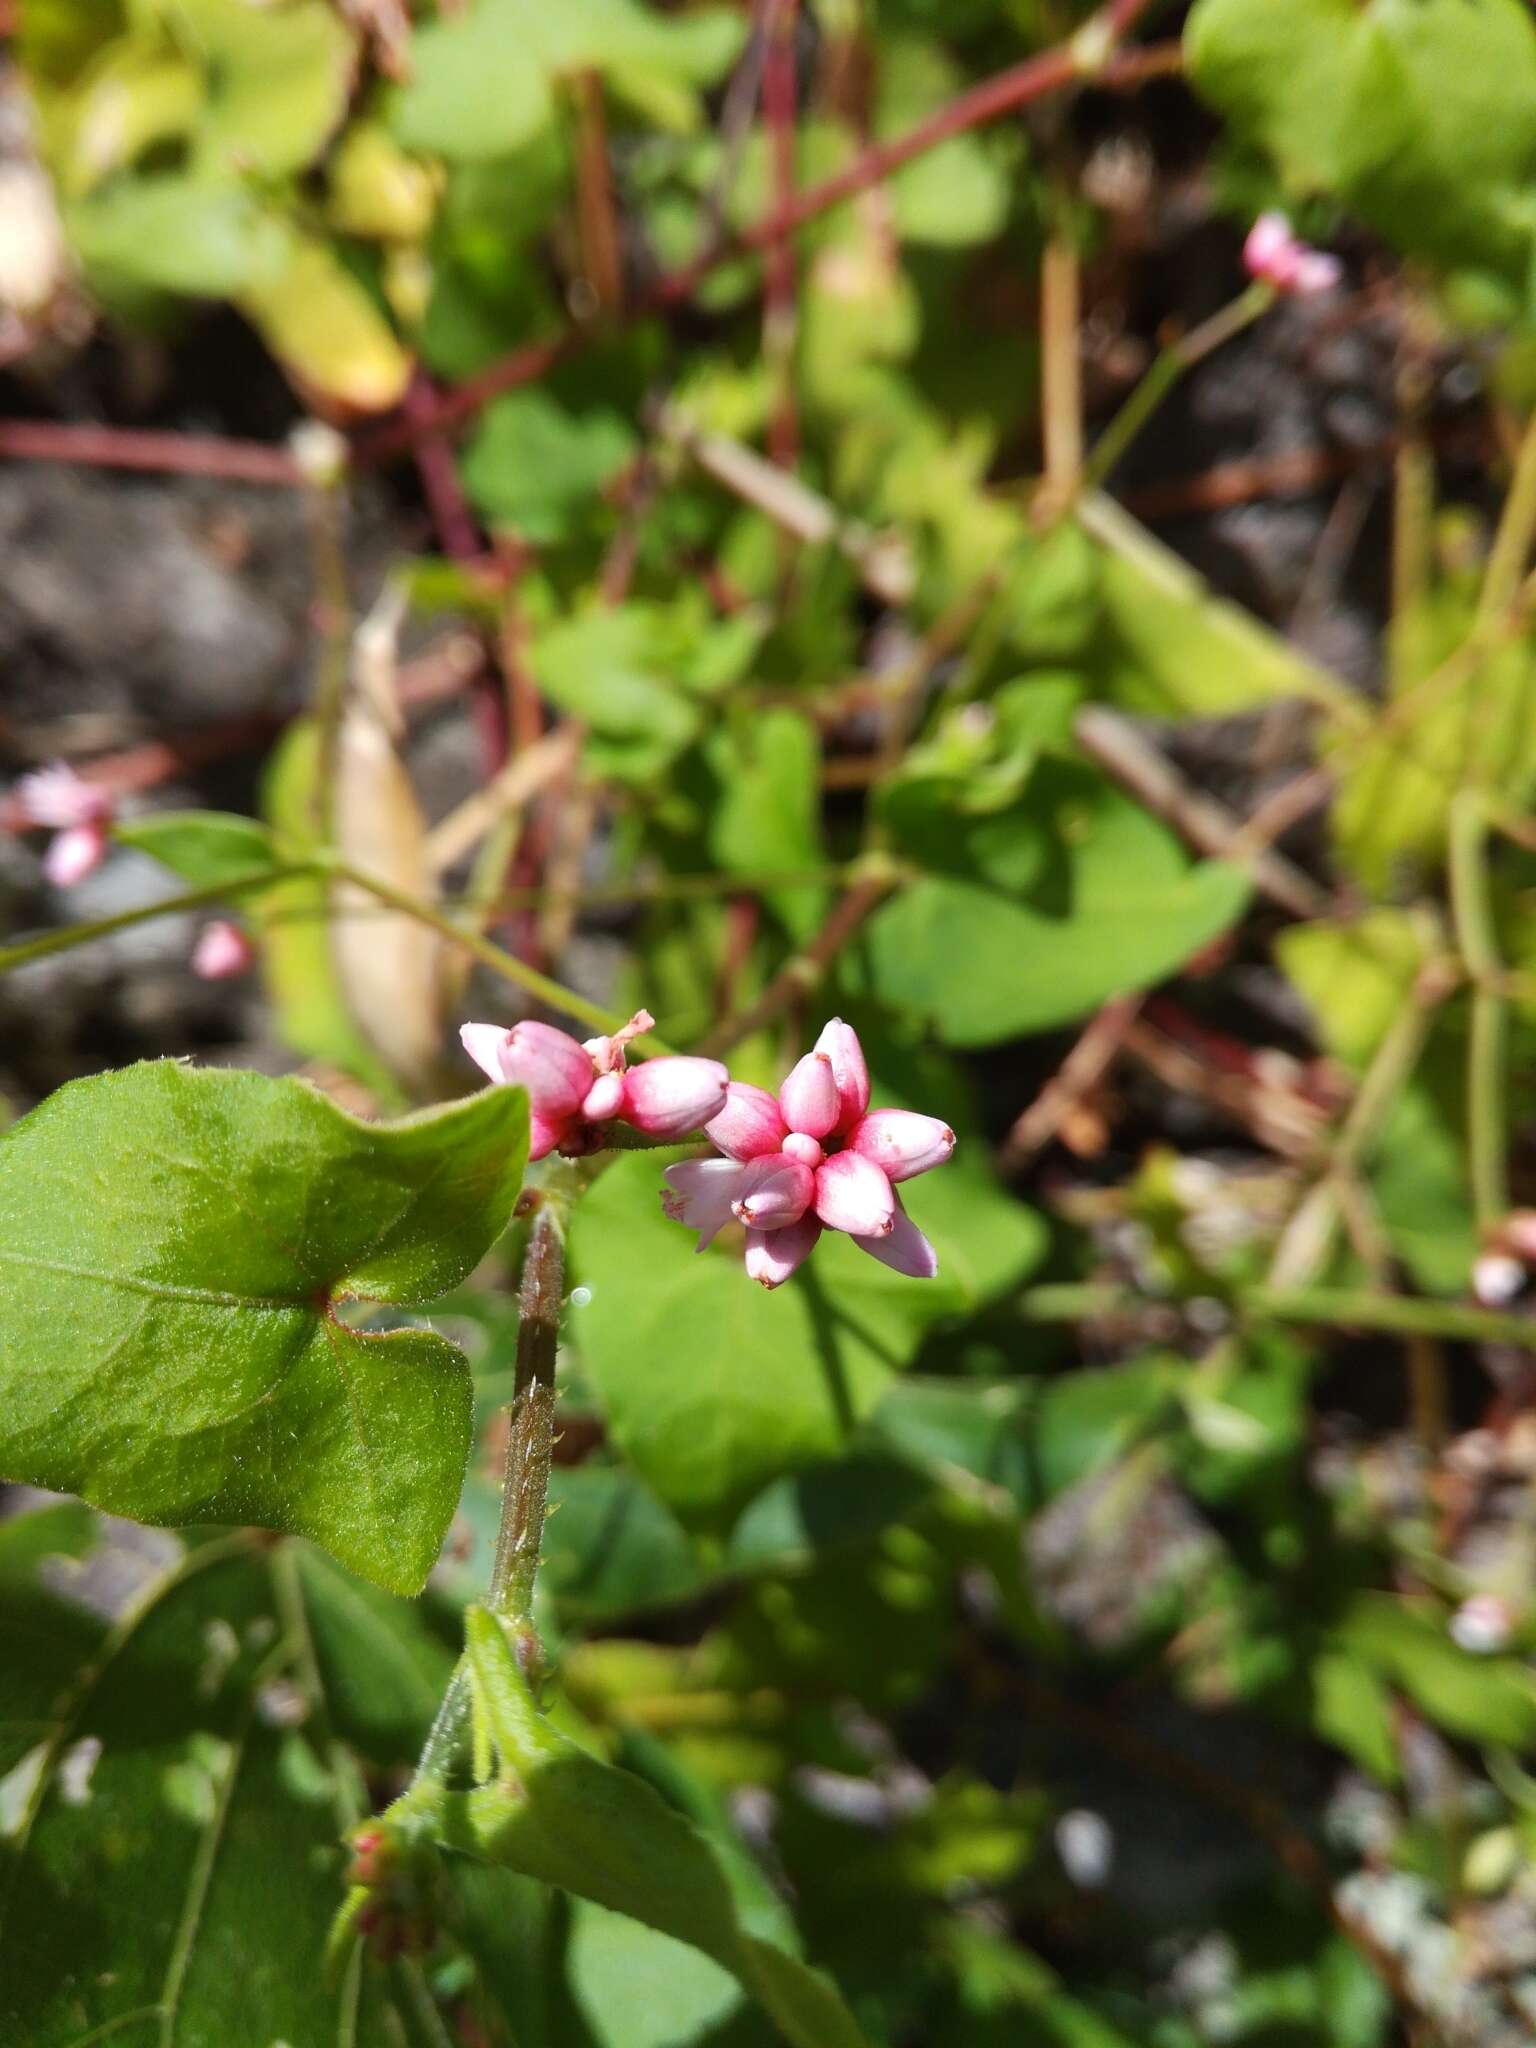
776	1191
222	952
74	854
668	1097
852	1194
1268	247
1518	1233
901	1142
1273	255
703	1194
772	1255
57	797
798	1146
1482	1624
905	1248
840	1042
1497	1279
605	1098
809	1097
749	1125
553	1068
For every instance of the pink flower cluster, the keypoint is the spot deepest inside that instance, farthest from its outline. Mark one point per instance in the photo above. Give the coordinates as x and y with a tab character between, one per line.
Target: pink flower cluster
815	1157
77	812
575	1088
1274	255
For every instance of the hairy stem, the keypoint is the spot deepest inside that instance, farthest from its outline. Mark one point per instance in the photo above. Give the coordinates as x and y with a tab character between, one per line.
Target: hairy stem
525	1483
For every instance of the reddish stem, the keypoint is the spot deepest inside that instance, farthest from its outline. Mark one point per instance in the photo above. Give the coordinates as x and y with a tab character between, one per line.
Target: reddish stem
457	532
101	447
993	97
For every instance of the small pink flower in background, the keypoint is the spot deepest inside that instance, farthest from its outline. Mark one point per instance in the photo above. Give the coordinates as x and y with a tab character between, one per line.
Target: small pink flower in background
1274	255
222	952
573	1088
813	1158
77	812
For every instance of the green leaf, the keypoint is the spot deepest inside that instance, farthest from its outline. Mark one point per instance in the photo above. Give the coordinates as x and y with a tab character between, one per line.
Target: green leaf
536	466
1166	647
278	80
174	1862
714	1388
1355	977
607	1836
179	234
1483	1699
766	817
205	848
1080	896
640	1989
951	196
484	82
613	669
176	1243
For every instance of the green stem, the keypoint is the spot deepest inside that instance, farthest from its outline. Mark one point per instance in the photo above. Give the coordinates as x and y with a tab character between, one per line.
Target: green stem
1486	1044
1164	371
1512	543
525	1475
553	994
1309	1307
69	935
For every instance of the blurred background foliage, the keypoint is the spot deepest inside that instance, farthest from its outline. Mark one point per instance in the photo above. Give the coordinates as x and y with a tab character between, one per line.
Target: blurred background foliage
690	494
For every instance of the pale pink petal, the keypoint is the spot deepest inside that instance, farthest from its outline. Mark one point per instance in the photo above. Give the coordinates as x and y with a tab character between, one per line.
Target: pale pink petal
749	1125
669	1097
777	1191
904	1248
605	1098
702	1194
852	1194
1518	1233
222	952
550	1064
901	1142
57	797
608	1054
809	1097
772	1255
483	1043
1269	248
74	854
840	1042
1315	272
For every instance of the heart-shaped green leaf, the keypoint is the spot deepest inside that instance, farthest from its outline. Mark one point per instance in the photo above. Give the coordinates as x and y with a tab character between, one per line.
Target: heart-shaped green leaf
173	1247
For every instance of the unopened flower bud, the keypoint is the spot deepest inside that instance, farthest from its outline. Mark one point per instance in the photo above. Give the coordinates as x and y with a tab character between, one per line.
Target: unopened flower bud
671	1096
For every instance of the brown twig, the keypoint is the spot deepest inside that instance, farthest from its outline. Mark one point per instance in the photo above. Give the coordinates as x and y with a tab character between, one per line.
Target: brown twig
1120	750
597	218
1078	1075
804	971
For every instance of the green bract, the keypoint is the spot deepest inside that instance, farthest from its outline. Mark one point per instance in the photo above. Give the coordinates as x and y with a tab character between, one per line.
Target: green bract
177	1247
